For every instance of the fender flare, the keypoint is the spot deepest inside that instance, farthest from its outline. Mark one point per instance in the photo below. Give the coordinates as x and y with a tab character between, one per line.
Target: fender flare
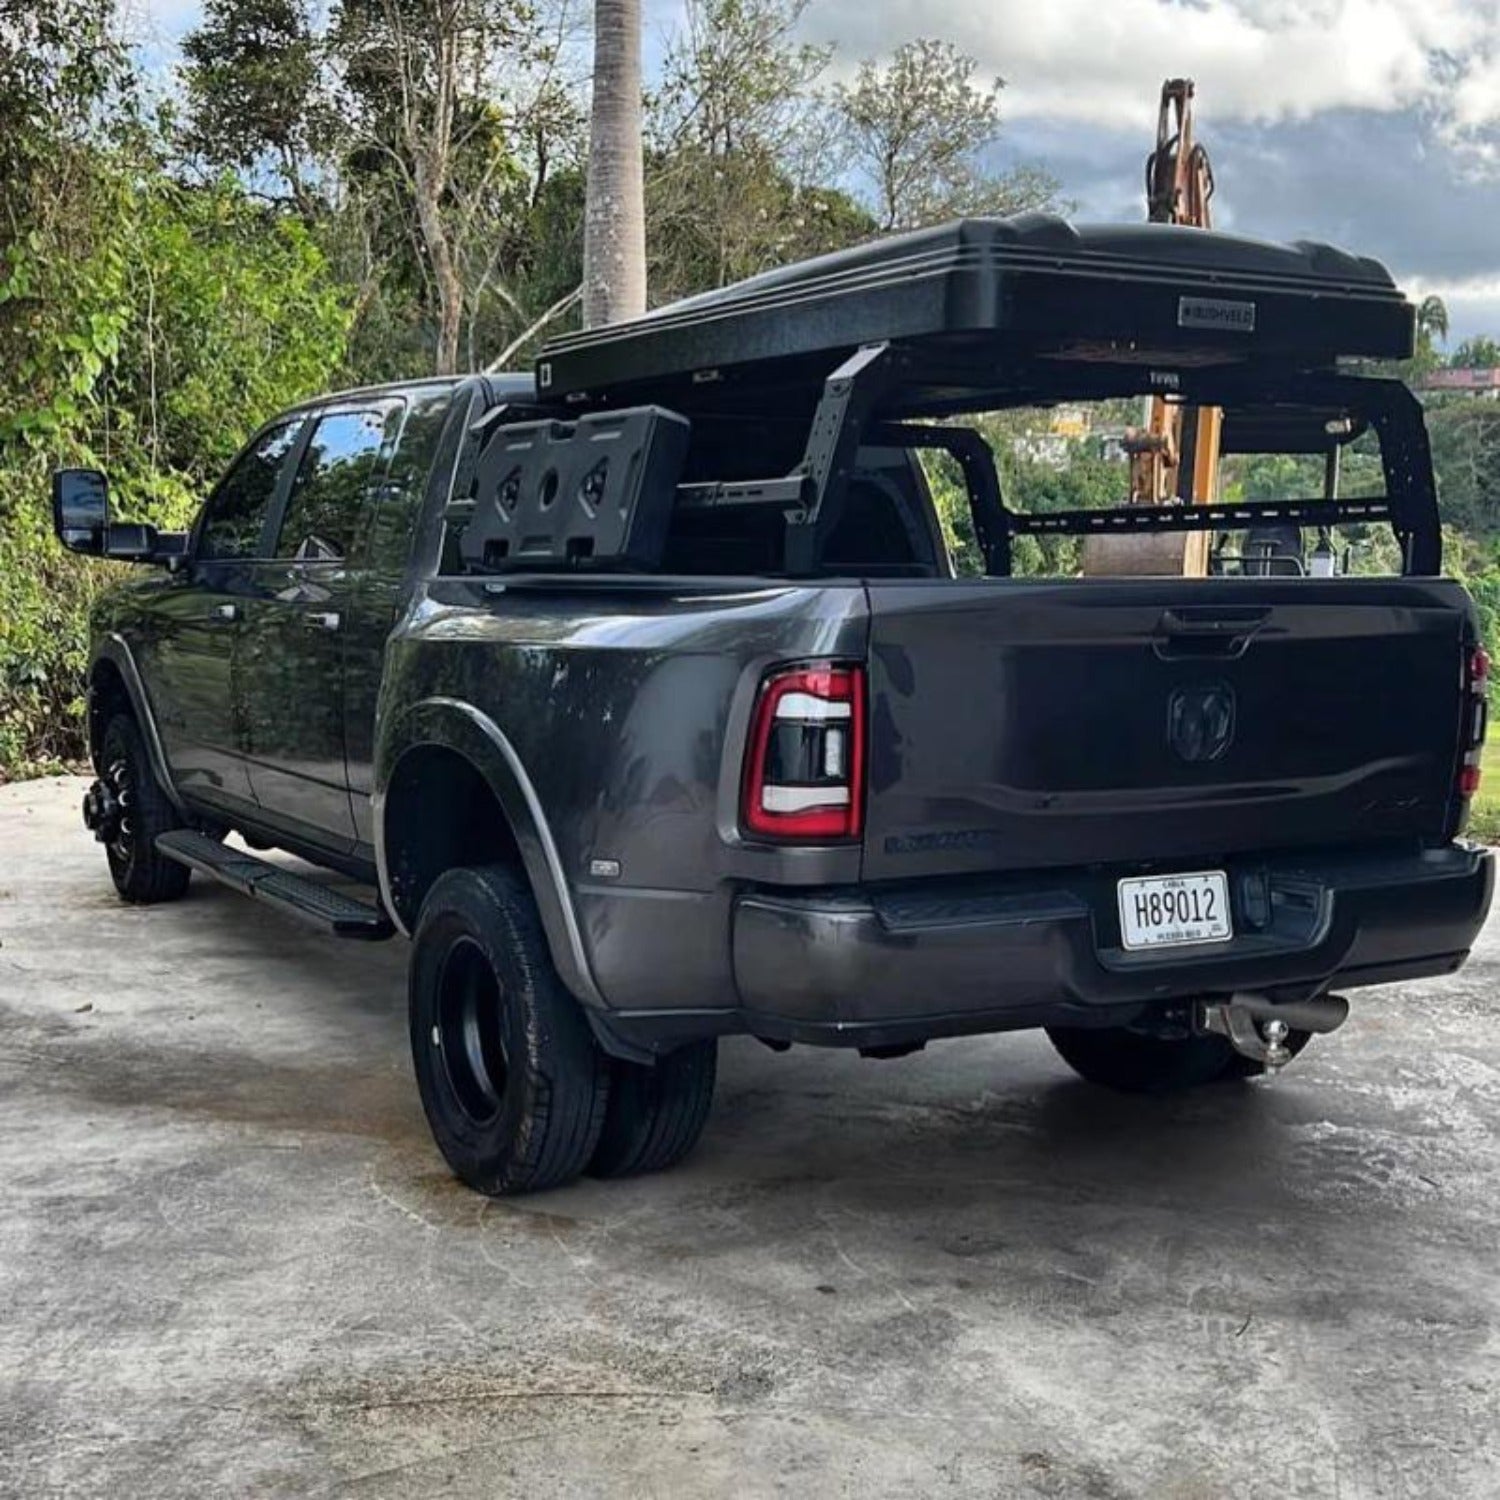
115	649
451	724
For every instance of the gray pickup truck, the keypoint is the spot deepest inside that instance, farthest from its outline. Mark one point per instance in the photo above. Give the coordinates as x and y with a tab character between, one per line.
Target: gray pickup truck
643	694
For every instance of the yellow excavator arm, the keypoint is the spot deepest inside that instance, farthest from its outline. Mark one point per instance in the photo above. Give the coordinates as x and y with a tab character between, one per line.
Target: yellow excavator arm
1175	456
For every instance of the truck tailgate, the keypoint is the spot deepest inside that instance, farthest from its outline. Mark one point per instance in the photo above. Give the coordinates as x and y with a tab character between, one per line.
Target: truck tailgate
1019	725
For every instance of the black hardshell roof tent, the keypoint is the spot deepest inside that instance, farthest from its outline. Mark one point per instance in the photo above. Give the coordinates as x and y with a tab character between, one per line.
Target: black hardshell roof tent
1009	291
781	377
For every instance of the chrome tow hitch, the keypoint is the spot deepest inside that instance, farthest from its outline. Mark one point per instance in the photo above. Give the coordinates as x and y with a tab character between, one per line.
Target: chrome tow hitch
1258	1027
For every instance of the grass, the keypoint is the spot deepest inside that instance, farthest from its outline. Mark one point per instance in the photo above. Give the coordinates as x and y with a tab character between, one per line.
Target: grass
1484	820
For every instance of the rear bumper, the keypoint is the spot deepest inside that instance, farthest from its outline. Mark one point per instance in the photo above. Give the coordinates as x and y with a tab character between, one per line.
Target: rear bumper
846	967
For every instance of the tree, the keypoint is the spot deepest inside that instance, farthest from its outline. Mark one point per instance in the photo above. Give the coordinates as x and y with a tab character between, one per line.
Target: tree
255	97
146	323
62	64
417	74
614	224
448	199
1465	437
919	129
735	131
1478	353
1432	320
733	76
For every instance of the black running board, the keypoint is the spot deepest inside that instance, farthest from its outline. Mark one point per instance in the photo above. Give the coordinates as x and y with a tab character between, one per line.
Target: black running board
310	900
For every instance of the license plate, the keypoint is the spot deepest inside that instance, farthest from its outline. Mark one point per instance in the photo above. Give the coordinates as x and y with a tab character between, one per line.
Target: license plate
1170	911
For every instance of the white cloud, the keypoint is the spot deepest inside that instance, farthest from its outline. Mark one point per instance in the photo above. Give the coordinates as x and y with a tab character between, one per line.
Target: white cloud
1483	288
1473	303
1102	61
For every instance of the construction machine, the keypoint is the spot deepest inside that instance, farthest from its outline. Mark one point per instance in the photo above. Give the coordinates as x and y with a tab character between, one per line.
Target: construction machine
1174	458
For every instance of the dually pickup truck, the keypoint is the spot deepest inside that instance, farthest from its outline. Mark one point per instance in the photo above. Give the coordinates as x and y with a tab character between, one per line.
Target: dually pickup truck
644	692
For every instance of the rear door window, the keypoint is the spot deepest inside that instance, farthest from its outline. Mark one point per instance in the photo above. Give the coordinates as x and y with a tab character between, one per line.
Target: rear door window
341	464
235	515
405	486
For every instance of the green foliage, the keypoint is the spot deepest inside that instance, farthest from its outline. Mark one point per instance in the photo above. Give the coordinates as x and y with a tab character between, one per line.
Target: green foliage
712	220
145	327
1476	565
951	500
253	93
1465	436
1083	480
1432	319
732	126
1080	479
60	63
1273	476
1484	816
1478	353
234	315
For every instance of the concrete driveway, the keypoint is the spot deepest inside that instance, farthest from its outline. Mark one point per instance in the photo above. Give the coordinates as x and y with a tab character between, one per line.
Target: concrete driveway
231	1262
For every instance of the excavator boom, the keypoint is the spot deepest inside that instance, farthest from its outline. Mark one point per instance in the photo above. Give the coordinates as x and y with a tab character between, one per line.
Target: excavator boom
1175	457
1179	180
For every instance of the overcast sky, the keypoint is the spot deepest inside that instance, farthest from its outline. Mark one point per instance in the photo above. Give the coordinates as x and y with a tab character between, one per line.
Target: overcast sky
1371	123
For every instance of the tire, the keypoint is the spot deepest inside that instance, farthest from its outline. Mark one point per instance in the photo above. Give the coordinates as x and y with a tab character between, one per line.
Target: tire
140	872
656	1112
513	1084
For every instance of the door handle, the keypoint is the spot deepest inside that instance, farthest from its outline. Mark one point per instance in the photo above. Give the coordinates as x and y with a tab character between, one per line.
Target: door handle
322	619
1184	633
1212	622
228	613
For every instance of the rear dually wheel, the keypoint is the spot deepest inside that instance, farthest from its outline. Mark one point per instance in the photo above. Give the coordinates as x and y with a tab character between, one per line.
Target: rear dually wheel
656	1111
513	1084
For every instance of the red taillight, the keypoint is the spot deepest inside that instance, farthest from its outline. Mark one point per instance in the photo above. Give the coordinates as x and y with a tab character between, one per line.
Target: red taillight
1476	723
805	770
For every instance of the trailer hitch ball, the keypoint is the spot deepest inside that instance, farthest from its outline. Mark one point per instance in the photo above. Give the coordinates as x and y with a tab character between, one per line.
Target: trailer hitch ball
1259	1028
1275	1034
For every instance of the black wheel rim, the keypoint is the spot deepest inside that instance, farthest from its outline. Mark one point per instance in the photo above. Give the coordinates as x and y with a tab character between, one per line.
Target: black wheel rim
467	1031
121	845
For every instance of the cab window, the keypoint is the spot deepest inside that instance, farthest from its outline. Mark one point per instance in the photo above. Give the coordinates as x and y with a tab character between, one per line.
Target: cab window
339	467
236	512
405	485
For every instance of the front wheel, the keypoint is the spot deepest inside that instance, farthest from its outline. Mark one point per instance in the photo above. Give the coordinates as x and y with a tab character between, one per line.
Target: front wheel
512	1081
1134	1062
138	811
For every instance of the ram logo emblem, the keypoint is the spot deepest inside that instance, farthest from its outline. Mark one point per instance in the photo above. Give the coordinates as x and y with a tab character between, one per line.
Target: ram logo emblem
1200	721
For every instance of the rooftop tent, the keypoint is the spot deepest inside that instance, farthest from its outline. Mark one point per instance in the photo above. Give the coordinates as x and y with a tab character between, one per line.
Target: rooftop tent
986	301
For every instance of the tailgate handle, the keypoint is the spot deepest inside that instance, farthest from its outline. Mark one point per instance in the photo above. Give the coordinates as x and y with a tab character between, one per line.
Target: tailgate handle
1206	632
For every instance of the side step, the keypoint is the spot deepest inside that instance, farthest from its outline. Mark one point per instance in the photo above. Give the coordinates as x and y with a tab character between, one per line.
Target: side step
314	902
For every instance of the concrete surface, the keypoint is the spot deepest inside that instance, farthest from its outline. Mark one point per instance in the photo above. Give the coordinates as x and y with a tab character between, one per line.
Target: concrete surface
232	1263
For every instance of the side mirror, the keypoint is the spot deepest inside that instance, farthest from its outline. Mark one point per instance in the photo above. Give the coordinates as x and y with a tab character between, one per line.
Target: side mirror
80	517
80	510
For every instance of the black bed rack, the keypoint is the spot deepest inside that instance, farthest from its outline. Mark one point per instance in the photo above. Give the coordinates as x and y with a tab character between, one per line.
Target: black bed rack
860	403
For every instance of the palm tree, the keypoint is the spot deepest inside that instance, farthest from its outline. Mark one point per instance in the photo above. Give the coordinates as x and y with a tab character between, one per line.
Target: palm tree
614	219
1432	319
